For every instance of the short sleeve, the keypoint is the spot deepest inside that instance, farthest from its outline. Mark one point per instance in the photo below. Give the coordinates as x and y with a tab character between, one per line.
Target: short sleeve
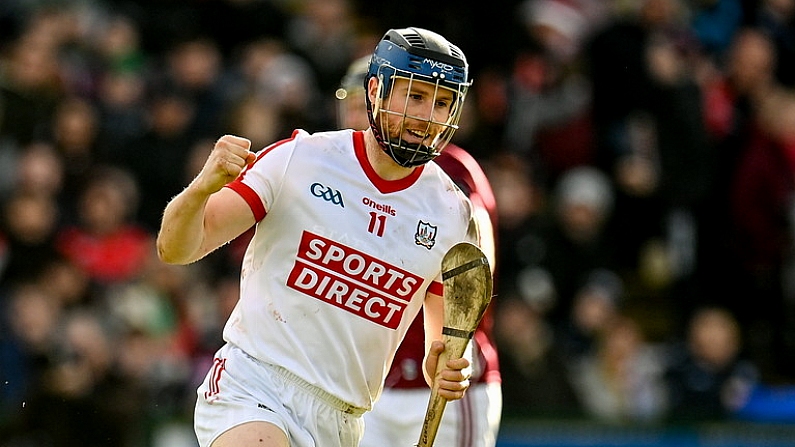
260	182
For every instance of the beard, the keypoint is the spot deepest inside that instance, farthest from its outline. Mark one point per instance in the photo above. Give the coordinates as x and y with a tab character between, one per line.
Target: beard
413	133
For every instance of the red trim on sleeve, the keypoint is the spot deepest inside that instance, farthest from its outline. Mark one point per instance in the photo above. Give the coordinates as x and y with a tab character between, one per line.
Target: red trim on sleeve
385	186
250	197
436	288
245	191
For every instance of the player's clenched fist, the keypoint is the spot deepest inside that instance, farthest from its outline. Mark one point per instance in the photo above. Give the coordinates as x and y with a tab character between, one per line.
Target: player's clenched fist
188	230
453	380
228	158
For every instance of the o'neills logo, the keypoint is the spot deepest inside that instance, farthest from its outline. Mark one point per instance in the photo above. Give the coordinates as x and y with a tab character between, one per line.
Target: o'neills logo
352	280
384	208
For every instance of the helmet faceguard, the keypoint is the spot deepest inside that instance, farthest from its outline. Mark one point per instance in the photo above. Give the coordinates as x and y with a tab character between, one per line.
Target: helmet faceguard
416	56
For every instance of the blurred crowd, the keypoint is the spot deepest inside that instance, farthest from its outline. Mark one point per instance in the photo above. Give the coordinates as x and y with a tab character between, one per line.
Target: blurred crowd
642	153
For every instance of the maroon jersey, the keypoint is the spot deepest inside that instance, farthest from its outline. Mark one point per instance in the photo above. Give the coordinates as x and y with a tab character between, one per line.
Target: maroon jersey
406	371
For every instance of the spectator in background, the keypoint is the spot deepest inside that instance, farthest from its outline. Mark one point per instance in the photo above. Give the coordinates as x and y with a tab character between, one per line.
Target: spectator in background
67	283
734	92
647	119
29	229
762	225
119	47
734	89
706	378
27	338
577	242
186	103
322	32
621	382
484	118
39	171
685	165
32	84
563	27
550	117
256	118
122	112
543	96
31	214
288	81
715	22
194	70
651	138
596	307
522	216
160	315
536	379
67	371
106	243
776	18
80	380
152	156
75	130
121	87
266	71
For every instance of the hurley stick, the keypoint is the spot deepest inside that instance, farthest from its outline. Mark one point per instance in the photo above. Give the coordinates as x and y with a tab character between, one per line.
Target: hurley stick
467	292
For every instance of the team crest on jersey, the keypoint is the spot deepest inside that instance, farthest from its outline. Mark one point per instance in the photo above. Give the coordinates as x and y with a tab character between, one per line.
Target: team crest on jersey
425	235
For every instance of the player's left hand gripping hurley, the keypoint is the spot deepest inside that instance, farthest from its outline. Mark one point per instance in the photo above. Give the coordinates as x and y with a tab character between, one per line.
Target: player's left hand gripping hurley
467	292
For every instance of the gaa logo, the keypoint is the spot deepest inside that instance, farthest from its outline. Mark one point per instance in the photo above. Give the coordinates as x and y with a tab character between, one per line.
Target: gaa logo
327	193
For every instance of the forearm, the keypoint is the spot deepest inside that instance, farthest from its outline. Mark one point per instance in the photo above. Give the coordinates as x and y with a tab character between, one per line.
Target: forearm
433	314
182	230
425	367
204	215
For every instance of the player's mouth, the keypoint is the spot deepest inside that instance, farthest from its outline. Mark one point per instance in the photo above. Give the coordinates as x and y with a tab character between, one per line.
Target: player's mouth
416	136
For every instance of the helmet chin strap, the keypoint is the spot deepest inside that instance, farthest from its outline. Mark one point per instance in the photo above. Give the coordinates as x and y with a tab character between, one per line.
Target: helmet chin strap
374	127
380	139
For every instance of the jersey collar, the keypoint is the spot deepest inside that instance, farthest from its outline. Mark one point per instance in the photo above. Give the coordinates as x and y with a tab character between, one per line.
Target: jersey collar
384	186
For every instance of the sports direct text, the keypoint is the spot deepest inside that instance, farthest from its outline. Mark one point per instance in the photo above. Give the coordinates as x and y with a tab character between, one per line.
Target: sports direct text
352	280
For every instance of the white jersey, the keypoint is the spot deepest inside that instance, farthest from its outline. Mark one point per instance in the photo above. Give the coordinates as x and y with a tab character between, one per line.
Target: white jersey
340	261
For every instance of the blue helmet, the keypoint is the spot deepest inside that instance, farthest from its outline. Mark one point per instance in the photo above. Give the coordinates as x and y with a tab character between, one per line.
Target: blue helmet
416	54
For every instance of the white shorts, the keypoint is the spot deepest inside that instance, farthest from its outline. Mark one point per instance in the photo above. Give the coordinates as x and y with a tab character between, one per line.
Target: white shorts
396	420
240	389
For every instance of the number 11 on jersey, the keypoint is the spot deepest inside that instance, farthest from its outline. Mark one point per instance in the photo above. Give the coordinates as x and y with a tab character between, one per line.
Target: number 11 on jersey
377	223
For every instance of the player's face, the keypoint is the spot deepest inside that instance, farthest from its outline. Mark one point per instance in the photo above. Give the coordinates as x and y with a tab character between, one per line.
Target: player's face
416	111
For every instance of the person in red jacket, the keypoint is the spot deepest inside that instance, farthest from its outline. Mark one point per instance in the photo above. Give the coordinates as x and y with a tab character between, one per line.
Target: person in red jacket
105	242
397	417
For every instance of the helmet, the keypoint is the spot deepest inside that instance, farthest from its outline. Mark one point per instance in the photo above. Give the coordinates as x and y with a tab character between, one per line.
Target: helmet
351	110
416	54
352	81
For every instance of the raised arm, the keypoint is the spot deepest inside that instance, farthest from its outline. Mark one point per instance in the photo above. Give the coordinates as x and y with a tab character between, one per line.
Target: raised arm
205	215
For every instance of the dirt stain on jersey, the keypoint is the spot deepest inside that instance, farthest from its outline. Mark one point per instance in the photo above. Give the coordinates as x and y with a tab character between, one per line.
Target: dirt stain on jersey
276	314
